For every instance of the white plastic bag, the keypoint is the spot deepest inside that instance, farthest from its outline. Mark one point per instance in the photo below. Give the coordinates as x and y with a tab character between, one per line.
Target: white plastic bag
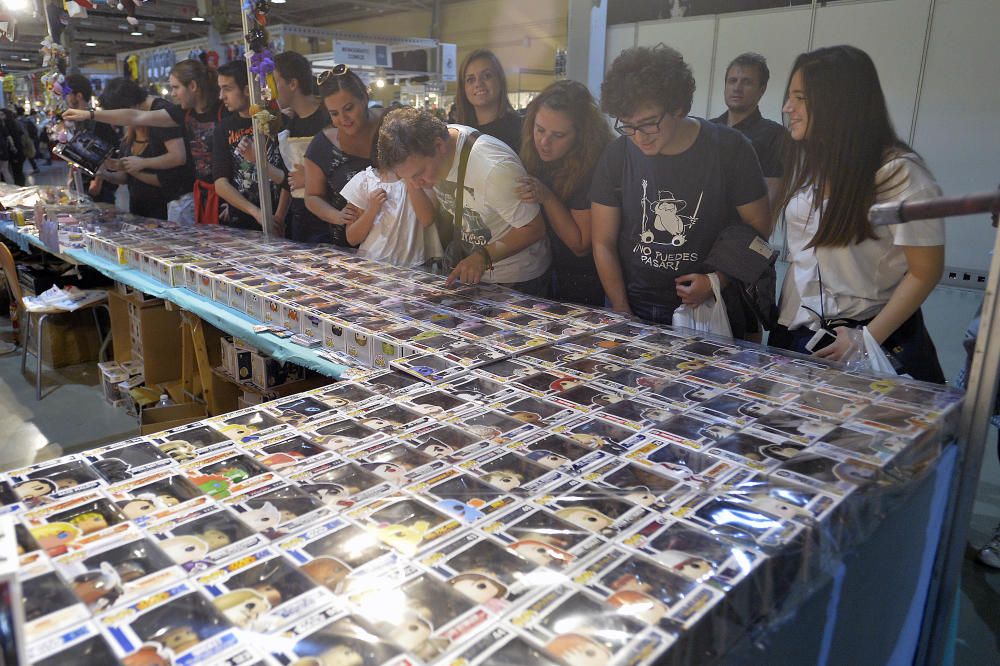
293	151
709	317
866	354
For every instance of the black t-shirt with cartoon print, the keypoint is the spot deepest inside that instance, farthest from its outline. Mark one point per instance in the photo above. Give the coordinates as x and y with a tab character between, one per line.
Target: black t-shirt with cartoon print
674	206
228	163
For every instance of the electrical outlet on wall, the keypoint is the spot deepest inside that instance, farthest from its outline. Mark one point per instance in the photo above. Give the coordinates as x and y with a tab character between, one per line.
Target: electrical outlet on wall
966	278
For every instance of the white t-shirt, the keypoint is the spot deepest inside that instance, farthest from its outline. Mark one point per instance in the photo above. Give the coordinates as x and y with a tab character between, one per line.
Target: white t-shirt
396	236
857	280
492	207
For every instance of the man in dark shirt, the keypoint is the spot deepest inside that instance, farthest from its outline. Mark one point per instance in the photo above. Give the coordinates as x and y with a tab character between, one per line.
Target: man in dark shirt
233	162
746	83
663	191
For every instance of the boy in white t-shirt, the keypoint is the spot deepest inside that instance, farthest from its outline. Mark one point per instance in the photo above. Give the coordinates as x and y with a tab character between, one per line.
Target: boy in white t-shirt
396	220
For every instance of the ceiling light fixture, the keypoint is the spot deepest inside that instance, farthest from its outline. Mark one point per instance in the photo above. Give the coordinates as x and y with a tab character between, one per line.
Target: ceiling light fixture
380	83
199	19
91	44
17	5
136	33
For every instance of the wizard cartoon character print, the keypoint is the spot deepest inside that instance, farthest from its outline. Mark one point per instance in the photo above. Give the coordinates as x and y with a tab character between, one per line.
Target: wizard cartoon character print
662	221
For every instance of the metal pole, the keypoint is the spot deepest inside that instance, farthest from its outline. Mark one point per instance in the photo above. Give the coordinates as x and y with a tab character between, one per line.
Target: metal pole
974	424
259	139
974	428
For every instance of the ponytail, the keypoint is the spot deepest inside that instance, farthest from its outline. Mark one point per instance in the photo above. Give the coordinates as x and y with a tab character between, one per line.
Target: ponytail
207	79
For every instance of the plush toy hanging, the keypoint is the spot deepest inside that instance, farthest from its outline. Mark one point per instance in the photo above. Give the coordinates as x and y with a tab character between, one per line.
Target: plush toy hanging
52	83
257	39
262	65
259	9
132	66
52	53
129	7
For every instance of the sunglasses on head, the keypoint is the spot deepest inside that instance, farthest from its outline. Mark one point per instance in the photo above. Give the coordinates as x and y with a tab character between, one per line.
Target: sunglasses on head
338	70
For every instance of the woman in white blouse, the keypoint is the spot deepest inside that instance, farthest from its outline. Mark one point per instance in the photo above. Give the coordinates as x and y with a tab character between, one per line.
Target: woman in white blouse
844	273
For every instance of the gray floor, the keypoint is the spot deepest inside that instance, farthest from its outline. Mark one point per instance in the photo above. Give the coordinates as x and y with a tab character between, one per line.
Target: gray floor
73	416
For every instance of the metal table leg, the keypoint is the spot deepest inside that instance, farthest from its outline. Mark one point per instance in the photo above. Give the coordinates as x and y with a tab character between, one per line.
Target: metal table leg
38	356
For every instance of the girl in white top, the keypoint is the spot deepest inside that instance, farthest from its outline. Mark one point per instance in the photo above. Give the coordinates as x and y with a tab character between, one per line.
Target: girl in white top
845	156
395	221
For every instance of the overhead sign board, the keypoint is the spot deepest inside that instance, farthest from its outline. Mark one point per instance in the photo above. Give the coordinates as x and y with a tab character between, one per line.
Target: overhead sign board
449	62
361	53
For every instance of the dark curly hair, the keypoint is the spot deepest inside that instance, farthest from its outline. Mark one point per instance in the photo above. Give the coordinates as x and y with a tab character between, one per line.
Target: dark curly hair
406	132
647	76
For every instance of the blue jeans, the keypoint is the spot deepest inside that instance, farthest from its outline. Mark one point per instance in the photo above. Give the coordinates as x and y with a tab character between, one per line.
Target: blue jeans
658	314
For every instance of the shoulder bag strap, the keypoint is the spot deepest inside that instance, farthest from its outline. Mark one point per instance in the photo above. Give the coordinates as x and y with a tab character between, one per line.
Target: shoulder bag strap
463	163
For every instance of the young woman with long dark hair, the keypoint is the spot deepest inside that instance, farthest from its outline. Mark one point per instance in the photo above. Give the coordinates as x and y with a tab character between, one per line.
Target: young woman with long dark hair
845	156
304	117
564	135
482	102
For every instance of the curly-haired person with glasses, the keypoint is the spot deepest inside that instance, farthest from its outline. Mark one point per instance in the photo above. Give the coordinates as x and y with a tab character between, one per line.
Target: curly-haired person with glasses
666	188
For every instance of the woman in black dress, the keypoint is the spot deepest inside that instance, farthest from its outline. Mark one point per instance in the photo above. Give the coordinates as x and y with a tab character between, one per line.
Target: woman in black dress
482	100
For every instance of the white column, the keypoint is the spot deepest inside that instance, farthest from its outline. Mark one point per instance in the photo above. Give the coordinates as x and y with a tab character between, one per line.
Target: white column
585	42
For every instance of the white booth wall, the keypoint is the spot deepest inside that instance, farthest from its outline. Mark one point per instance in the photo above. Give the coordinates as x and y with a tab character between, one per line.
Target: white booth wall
950	115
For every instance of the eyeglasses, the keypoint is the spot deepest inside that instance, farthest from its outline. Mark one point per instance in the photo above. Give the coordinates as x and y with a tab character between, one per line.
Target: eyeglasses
338	70
645	128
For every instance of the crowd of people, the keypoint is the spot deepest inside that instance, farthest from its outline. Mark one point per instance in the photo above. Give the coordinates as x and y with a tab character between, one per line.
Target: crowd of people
21	138
551	204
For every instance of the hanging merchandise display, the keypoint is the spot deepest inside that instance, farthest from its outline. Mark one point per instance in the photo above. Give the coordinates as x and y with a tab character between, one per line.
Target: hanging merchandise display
53	53
129	7
263	98
262	66
260	9
132	67
256	39
54	61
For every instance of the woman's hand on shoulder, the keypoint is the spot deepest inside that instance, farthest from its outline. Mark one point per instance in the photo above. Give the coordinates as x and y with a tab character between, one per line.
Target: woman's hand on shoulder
344	217
531	190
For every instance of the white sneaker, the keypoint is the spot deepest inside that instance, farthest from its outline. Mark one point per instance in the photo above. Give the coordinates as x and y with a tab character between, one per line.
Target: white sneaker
990	553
